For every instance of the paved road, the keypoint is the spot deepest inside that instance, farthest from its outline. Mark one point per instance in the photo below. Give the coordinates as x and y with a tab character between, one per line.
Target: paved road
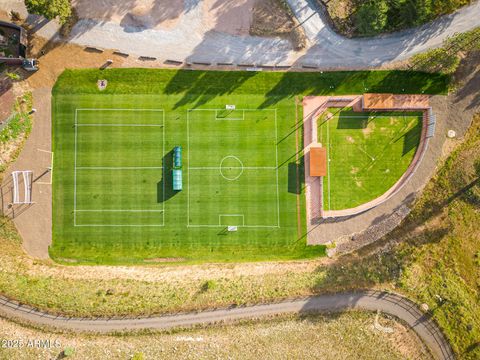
189	41
391	304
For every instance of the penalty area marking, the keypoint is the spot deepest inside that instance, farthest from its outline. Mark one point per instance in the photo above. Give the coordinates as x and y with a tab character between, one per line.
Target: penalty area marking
231	215
76	126
49	168
244	111
226	118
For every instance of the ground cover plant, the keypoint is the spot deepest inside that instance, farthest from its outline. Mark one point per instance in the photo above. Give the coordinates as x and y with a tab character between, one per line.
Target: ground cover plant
367	18
446	59
113	200
368	153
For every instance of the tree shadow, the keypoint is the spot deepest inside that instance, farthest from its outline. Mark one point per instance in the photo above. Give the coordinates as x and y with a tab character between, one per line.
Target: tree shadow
346	122
296	176
165	186
200	87
411	138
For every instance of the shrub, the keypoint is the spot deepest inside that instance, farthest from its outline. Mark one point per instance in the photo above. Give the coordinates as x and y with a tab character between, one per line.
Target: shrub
15	16
371	17
67	27
13	76
209	285
51	9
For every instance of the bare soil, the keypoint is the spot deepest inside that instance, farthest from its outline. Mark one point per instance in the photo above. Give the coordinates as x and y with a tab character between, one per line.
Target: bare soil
229	16
152	14
274	18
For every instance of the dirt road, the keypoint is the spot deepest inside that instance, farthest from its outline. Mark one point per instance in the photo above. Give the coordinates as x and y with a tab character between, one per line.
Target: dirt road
392	304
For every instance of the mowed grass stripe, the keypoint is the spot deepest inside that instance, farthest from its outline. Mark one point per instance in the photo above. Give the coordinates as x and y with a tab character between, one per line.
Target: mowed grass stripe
176	92
252	195
221	139
109	243
119	147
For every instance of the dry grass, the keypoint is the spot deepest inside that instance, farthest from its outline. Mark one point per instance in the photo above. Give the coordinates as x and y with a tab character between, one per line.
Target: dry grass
346	336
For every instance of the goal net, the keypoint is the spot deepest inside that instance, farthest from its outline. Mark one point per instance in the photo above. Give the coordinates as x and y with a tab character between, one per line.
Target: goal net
22	187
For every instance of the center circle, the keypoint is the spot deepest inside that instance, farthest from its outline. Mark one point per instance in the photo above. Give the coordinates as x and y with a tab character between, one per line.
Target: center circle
231	167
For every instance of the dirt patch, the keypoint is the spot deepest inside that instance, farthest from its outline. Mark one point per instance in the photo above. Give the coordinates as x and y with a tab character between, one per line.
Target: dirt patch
150	14
274	18
229	16
350	139
354	170
369	129
7	99
55	57
393	121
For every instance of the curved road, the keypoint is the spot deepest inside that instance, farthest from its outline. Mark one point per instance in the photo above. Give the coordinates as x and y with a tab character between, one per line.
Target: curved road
388	303
189	41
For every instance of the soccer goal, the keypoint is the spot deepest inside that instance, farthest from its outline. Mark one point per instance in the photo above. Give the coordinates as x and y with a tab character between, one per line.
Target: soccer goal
22	194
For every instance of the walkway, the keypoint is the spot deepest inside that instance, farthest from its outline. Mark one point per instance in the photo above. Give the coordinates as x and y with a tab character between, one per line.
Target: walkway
391	304
34	222
189	41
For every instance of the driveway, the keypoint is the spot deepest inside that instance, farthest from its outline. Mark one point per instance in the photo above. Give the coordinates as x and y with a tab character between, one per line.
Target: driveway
188	39
391	304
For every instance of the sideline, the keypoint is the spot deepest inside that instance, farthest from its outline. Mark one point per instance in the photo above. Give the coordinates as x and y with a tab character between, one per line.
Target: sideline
392	304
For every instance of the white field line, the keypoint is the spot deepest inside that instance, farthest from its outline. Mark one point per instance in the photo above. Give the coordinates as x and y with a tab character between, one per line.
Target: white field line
234	167
230	215
370	156
276	165
328	161
116	168
235	109
120	125
117	225
218	168
75	175
51	169
119	168
371	116
117	109
163	167
115	210
188	169
243	226
230	118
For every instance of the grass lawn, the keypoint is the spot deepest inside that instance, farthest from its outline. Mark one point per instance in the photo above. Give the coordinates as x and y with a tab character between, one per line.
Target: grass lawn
113	201
368	153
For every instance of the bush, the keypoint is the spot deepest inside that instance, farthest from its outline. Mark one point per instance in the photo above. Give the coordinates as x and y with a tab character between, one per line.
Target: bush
208	285
371	17
67	27
15	16
13	76
51	9
446	59
378	16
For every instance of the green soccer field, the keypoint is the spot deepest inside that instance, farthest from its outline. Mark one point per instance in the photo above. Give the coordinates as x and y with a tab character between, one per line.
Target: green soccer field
367	152
113	200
